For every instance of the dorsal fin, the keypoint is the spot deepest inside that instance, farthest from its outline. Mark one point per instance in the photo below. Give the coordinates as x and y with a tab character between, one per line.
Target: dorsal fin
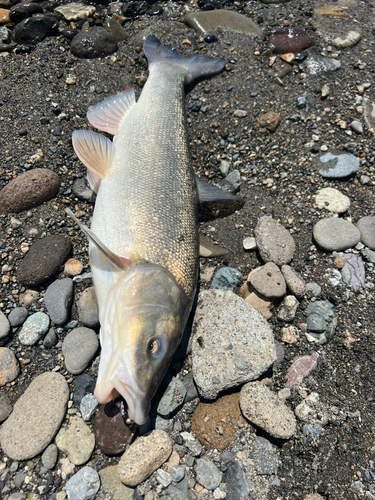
108	114
96	152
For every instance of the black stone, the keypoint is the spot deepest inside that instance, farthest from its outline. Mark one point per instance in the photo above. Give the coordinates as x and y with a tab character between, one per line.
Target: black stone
18	13
82	385
155	10
22	132
210	38
95	42
34	29
69	33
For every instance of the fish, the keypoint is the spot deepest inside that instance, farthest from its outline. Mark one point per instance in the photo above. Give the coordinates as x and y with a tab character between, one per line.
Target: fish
143	239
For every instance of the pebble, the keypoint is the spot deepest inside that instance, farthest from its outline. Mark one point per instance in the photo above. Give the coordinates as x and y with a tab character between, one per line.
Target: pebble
84	484
115	28
353	272
93	43
82	191
300	369
73	11
224	167
204	22
264	409
275	244
112	435
207	474
289	40
240	113
177	473
311	432
337	166
288	309
111	484
30	31
268	281
34	328
315	64
17	317
28	298
143	457
36	417
333	200
4	16
335	234
313	289
249	243
79	348
5	407
268	121
76	440
227	279
294	281
82	384
88	405
51	339
366	226
49	457
172	398
87	308
9	366
43	260
356	126
324	309
261	304
232	343
4	326
58	300
369	113
215	424
289	334
237	485
208	249
163	477
232	181
351	39
369	255
29	190
73	267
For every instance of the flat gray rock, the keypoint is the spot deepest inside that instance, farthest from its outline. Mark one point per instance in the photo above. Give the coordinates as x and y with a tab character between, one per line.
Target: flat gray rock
268	280
315	64
275	243
205	22
17	317
353	273
366	226
266	410
207	473
34	328
84	484
294	281
88	309
36	417
173	397
79	347
232	343
58	299
49	457
335	234
337	166
4	326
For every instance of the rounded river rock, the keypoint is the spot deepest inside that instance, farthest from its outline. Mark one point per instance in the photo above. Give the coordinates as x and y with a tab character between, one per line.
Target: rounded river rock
336	234
36	417
275	244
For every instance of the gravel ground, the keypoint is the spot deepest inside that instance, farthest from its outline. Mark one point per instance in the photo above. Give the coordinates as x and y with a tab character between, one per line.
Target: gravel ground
45	92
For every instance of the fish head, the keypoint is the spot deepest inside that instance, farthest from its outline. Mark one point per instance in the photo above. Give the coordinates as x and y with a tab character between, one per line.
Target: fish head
141	327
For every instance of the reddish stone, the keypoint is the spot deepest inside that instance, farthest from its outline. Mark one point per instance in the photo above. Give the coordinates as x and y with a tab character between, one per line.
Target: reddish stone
300	369
112	435
286	40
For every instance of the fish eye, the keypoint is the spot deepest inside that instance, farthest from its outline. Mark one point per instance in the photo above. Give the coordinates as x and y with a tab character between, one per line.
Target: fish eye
154	347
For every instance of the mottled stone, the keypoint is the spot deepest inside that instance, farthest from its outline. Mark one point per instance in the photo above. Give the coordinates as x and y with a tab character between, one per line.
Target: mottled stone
9	366
350	39
300	369
268	281
275	244
143	457
268	121
337	166
264	409
335	234
84	484
226	278
87	406
315	64
73	267
76	440
34	328
294	281
29	190
207	474
95	42
332	200
111	484
353	272
36	417
205	22
288	308
73	11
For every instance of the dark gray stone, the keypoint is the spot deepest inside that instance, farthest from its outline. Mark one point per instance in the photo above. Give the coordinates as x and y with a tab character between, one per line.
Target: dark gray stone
95	42
17	316
58	300
50	339
235	479
34	29
337	166
227	278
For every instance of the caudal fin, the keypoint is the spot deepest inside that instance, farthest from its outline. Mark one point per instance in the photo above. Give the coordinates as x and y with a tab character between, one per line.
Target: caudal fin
195	65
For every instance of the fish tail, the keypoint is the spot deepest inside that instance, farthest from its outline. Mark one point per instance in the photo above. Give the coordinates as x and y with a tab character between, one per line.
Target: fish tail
195	66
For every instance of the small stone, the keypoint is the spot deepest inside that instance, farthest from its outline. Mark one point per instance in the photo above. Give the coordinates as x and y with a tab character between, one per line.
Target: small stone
275	244
208	249
177	473
73	267
325	90
226	278
74	11
29	190
369	113
173	397
369	255
249	243
58	300
5	325
88	309
115	28
224	167
353	272
16	317
351	39
4	16
313	289
335	234
268	121
79	347
337	166
143	457
9	366
315	64
82	191
206	22
51	339
88	405
28	298
294	281
300	369
207	474
289	58
76	440
289	40
84	484
356	126
240	113
268	281
36	417
332	10
366	226
288	308
163	477
289	334
315	323
333	200
5	407
261	304
112	435
93	43
82	385
49	457
111	484
232	181
34	328
263	408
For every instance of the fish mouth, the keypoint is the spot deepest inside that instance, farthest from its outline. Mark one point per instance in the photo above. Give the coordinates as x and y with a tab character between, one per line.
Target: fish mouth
138	404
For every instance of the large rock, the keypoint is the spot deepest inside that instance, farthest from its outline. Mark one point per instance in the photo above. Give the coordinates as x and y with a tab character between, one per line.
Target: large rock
275	244
29	190
36	417
232	343
336	234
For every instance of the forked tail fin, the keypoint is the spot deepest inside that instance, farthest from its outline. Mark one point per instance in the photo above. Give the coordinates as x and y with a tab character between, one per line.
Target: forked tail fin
195	65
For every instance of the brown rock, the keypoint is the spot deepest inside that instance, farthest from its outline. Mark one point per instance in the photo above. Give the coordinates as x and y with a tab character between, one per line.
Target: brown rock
268	121
9	367
112	435
268	281
339	262
28	298
289	39
29	190
4	16
261	304
215	424
331	10
243	291
73	267
43	260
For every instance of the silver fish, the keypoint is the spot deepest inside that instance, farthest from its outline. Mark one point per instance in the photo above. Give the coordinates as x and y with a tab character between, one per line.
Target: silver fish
143	237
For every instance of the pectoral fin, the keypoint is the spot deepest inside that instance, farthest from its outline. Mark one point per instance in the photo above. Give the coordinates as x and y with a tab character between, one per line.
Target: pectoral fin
108	114
209	193
118	263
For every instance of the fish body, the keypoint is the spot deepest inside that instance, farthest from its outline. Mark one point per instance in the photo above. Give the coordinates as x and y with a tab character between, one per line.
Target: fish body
143	236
